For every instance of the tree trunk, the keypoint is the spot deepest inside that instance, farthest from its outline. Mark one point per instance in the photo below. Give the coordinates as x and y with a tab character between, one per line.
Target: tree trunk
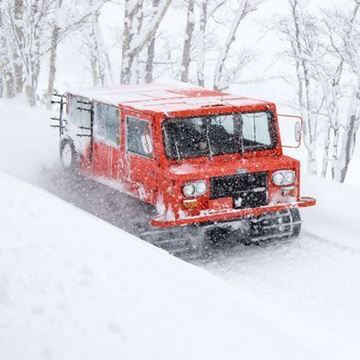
201	43
2	56
127	58
52	65
18	64
304	97
243	10
33	54
337	138
30	93
149	66
186	56
7	75
1	84
349	139
134	42
325	162
53	55
9	84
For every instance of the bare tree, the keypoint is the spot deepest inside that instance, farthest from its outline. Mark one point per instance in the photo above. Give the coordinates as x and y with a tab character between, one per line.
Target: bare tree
220	77
326	55
133	39
18	28
201	42
27	29
6	69
94	43
55	35
186	55
345	43
149	67
299	31
65	19
332	74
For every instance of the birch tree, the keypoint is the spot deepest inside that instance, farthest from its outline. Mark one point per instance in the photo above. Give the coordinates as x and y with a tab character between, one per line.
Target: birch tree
221	78
55	35
27	38
299	31
325	51
19	8
134	40
149	67
332	72
189	32
32	47
100	66
345	43
66	19
6	68
201	42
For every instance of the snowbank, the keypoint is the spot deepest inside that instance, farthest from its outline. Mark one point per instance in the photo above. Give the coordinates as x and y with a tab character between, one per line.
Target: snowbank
74	287
27	143
336	216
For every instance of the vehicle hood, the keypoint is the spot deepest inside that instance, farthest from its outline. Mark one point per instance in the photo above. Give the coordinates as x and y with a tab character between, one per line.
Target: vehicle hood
213	168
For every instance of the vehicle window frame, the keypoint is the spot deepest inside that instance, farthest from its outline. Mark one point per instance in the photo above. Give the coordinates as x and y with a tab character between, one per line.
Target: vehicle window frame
103	137
76	116
272	127
149	123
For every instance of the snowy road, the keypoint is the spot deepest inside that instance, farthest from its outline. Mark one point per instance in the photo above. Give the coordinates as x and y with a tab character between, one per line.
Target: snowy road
313	278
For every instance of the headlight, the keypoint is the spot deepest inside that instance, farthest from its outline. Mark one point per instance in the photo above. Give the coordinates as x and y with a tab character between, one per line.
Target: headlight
283	177
196	188
200	188
189	190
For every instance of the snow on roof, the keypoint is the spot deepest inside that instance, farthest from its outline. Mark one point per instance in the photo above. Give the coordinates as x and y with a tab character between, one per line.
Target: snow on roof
164	98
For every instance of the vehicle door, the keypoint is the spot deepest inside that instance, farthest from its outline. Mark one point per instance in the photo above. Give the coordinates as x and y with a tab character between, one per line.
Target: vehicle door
79	122
106	148
140	157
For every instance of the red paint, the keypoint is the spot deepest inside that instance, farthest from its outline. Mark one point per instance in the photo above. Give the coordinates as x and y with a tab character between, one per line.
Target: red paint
157	177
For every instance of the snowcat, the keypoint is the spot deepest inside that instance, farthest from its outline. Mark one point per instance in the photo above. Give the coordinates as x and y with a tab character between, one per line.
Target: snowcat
210	165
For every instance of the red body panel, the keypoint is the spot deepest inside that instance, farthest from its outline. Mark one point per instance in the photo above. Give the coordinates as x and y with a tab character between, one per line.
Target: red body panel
159	181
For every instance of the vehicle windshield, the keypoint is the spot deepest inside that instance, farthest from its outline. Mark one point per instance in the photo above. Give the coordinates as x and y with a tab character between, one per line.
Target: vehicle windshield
218	135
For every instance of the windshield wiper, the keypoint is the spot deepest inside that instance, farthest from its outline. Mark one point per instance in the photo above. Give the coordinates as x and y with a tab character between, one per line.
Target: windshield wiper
208	120
241	137
173	138
176	147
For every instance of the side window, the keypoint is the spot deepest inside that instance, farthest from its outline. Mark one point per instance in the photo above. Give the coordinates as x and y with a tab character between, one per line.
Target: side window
106	124
112	125
256	128
138	136
77	116
99	121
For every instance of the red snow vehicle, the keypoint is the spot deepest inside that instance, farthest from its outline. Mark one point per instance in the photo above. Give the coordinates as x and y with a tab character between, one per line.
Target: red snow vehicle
210	163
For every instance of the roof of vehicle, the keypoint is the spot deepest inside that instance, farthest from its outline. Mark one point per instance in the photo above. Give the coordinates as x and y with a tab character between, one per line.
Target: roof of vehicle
164	98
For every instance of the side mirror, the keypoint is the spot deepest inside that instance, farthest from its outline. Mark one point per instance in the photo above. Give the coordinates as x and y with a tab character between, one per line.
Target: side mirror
291	130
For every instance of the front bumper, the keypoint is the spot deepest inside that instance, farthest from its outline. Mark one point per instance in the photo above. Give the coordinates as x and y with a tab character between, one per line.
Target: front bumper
229	215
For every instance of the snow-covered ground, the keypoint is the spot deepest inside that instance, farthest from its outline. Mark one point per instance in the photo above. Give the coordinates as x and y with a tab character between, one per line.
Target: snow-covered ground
72	286
316	277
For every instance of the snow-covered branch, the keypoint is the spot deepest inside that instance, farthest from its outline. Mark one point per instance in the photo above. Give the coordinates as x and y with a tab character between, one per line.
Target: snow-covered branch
221	80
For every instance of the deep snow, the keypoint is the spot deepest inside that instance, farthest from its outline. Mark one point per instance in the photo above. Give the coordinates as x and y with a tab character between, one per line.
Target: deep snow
74	287
89	287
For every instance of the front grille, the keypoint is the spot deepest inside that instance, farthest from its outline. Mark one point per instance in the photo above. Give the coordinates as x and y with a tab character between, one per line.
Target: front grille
247	190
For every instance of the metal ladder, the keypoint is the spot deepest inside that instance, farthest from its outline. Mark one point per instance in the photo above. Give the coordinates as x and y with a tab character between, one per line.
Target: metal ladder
61	121
89	129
